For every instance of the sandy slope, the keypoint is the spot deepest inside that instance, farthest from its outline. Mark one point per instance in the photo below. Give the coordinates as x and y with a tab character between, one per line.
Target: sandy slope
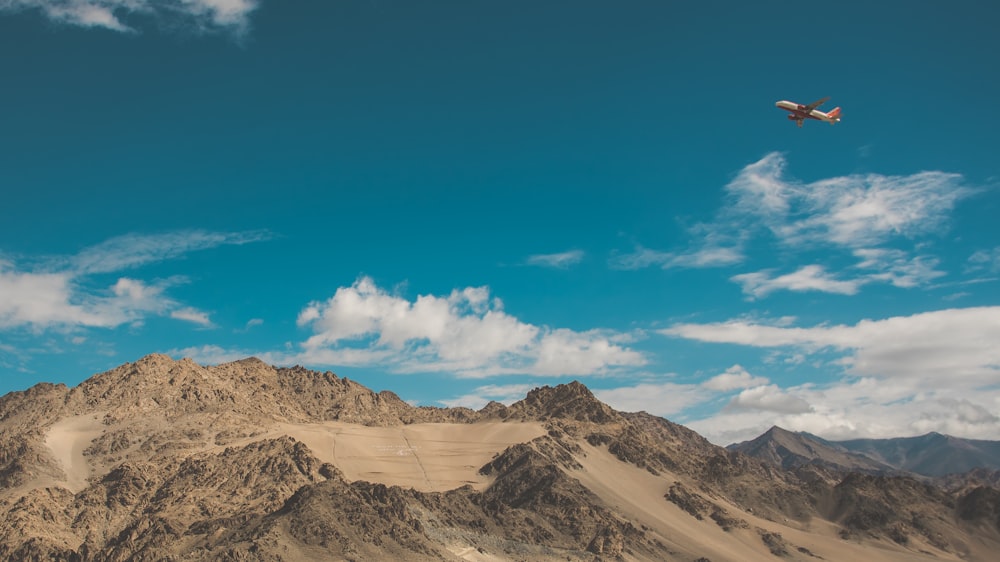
67	439
427	457
430	457
639	495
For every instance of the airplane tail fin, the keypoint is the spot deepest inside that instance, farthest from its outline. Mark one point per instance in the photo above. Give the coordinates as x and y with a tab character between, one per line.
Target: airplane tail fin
834	115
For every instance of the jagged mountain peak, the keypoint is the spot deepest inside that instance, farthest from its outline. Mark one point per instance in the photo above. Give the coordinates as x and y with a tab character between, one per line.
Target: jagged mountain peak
572	401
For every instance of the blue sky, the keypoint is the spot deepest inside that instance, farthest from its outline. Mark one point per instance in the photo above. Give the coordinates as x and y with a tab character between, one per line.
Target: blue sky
461	200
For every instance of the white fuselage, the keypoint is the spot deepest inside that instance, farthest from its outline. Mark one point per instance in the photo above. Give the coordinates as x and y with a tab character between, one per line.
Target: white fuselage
798	112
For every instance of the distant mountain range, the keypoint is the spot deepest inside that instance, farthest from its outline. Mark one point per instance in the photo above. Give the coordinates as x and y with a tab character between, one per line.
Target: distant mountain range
933	454
171	460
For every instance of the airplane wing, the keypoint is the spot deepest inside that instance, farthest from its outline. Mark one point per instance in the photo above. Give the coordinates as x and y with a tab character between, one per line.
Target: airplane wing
815	104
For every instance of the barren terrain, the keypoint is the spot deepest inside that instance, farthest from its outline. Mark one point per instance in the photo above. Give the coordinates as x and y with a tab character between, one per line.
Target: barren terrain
164	458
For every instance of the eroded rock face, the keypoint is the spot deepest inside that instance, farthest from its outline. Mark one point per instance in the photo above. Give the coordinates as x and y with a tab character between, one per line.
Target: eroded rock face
162	459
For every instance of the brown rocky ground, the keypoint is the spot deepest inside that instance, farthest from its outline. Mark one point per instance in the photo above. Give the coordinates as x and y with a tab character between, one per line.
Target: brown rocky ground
170	460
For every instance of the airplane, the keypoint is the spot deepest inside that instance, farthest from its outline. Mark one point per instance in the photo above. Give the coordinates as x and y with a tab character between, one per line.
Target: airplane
801	112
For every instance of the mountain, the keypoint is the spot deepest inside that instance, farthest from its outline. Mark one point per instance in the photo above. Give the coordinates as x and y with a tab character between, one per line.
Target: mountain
790	450
933	454
170	460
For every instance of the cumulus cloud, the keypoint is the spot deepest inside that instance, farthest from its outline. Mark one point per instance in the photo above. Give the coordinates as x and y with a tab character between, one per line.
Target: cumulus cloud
561	260
44	300
203	15
940	345
769	398
466	332
56	292
735	378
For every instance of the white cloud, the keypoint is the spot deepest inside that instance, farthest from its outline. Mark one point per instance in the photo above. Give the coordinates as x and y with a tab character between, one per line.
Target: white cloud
561	260
862	408
658	399
759	190
38	299
852	211
505	394
212	355
134	250
56	294
985	260
942	345
769	398
193	315
807	278
44	300
735	378
640	258
711	255
204	15
466	332
897	268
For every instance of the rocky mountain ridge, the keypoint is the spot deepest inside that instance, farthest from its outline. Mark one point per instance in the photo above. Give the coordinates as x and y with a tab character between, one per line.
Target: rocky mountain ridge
931	455
170	460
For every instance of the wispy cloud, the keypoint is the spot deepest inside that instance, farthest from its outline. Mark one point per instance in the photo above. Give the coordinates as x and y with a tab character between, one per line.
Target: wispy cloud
561	260
951	344
898	268
134	250
466	332
807	278
708	256
985	260
853	211
891	266
52	294
192	315
202	15
853	215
